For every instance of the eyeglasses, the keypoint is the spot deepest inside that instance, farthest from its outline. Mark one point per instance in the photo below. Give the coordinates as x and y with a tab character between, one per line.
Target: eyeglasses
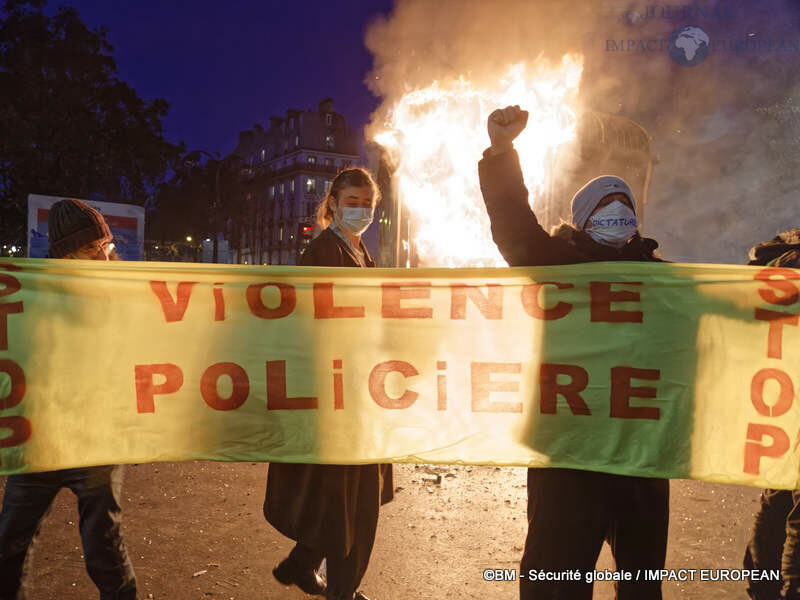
99	250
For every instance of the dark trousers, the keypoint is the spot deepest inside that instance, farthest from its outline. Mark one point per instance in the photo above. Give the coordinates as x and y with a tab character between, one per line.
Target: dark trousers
775	545
345	571
571	513
27	501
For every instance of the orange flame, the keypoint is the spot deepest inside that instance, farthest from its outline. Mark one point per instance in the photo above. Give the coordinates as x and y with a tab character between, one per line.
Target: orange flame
435	136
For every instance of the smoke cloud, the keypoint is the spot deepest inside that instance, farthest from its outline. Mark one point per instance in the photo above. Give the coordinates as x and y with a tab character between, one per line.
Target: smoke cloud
725	131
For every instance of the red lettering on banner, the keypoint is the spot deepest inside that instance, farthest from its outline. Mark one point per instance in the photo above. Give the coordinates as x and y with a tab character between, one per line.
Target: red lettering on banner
622	392
441	386
173	309
11	285
219	304
276	390
755	450
785	396
285	307
393	293
20	431
324	306
602	296
18	386
146	390
239	379
377	384
338	386
483	386
550	389
490	306
776	320
10	308
530	302
789	292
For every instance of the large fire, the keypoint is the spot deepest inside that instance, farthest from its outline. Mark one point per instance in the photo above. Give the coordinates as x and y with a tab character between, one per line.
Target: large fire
435	136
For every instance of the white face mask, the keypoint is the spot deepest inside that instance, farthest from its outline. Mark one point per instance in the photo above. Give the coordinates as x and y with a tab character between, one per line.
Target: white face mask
612	225
355	220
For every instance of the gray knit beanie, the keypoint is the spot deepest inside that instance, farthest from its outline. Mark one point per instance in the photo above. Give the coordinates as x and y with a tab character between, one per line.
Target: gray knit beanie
73	224
590	195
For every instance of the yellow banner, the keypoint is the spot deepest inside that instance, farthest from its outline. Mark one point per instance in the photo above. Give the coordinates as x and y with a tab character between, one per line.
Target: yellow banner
659	370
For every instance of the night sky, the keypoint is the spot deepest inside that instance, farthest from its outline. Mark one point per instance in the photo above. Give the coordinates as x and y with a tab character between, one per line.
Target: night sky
224	66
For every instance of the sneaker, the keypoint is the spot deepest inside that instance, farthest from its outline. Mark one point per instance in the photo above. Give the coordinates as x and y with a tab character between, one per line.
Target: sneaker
307	580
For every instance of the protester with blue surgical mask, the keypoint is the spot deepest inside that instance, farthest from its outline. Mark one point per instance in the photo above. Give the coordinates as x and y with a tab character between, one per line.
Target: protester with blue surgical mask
331	511
572	512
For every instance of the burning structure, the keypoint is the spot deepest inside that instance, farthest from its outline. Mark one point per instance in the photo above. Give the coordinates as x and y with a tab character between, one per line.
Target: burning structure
603	144
432	138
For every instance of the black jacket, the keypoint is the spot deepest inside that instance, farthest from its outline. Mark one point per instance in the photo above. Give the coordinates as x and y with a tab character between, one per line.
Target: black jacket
781	251
521	239
329	250
323	506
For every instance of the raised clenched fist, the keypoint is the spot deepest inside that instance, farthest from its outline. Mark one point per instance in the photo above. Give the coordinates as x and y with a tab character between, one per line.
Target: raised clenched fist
504	125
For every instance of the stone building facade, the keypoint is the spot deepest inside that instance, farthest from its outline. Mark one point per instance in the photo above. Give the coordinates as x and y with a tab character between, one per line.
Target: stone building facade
288	169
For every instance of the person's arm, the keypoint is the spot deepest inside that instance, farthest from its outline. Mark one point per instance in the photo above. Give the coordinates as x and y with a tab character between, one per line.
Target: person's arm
520	238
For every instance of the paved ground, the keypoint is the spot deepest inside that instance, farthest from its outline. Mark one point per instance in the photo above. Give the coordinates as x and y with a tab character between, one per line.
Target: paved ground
195	531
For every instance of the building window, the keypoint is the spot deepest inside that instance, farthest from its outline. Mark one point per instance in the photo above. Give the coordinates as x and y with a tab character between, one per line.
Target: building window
296	140
292	123
327	186
280	234
291	186
312	160
311	185
283	188
263	155
329	141
329	119
272	192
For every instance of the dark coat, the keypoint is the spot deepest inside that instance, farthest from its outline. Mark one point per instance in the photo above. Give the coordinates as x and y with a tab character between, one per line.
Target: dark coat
587	504
329	250
319	505
781	251
521	239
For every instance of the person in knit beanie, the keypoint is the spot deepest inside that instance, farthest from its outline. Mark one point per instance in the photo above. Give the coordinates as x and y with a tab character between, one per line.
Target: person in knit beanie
774	543
76	230
572	512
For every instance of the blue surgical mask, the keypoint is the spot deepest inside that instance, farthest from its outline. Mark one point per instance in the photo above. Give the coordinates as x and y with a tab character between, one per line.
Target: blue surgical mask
355	220
613	225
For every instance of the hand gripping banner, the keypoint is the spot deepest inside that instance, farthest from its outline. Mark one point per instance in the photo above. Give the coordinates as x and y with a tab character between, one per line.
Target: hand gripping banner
658	370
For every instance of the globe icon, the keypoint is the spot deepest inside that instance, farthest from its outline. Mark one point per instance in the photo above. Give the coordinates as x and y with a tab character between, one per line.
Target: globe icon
689	46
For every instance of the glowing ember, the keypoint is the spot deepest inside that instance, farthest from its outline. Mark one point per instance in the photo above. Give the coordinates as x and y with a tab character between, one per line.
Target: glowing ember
436	135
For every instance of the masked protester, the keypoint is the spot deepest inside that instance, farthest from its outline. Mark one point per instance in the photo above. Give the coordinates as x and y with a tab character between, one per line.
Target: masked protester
571	512
331	511
76	230
775	540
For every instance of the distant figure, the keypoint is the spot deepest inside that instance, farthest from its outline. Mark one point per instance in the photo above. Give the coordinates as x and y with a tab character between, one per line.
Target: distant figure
775	541
76	230
571	512
331	511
